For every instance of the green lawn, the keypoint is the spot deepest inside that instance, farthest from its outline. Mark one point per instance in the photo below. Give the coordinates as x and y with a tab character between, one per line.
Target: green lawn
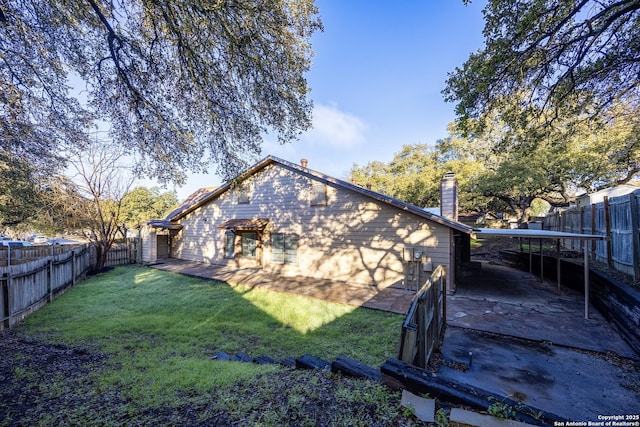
159	331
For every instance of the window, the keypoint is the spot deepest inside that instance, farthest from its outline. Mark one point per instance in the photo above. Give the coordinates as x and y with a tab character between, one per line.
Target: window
318	193
243	196
249	243
229	244
243	192
284	248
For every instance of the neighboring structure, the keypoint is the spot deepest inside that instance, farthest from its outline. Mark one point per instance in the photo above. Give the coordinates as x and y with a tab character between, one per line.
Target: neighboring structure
598	196
288	219
482	219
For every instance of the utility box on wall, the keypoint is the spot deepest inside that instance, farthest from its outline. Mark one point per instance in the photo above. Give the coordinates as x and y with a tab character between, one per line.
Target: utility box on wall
416	264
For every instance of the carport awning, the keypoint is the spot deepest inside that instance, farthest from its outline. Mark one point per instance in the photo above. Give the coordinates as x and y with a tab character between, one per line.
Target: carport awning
245	224
532	234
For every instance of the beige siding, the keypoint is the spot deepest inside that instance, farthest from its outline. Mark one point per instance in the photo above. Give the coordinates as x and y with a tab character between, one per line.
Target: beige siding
149	245
352	238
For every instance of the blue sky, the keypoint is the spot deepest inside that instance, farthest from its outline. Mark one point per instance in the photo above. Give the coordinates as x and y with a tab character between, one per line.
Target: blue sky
376	81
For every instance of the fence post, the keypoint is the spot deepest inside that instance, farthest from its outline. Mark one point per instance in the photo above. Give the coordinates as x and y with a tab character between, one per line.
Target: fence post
420	320
635	234
7	304
593	230
530	258
541	262
50	279
9	296
73	268
437	286
607	222
443	292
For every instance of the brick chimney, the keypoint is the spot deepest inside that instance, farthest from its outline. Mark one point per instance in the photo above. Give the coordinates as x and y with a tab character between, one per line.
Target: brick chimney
304	163
449	196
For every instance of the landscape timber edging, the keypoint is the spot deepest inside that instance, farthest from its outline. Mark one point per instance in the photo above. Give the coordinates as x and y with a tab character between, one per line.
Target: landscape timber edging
401	375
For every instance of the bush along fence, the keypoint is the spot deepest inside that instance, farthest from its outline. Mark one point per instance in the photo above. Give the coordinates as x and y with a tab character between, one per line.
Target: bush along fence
618	218
425	320
28	283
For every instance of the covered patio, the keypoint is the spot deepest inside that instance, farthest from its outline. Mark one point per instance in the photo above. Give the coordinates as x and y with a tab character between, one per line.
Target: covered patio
554	236
507	301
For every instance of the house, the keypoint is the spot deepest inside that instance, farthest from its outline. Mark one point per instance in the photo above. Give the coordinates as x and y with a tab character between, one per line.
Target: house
290	220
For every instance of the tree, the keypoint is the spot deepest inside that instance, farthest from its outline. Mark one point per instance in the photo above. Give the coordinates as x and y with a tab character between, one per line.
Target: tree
19	196
94	196
180	84
142	204
414	173
499	176
550	59
410	176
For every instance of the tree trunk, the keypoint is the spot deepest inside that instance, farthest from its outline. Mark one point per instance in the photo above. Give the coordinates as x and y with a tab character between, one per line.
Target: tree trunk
101	255
99	258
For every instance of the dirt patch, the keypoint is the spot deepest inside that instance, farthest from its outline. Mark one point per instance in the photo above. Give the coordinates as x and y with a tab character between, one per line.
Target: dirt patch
41	383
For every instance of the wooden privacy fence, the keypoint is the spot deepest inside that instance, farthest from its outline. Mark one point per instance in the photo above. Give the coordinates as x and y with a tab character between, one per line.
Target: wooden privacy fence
28	286
11	255
618	218
425	321
123	252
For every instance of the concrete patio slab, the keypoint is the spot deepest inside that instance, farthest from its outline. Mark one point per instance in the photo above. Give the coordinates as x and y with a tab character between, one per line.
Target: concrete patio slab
534	346
572	384
469	418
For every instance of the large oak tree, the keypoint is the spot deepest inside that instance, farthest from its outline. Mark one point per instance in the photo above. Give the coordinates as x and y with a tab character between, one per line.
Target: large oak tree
181	84
572	59
498	177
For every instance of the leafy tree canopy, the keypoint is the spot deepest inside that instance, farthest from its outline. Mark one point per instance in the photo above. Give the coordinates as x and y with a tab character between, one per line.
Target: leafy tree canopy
414	173
494	177
19	195
142	204
181	83
549	58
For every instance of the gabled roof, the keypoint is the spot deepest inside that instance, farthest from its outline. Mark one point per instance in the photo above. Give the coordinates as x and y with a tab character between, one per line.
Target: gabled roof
190	201
206	197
